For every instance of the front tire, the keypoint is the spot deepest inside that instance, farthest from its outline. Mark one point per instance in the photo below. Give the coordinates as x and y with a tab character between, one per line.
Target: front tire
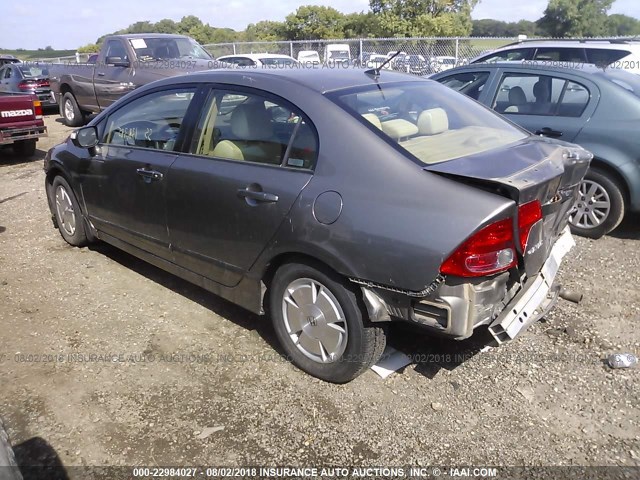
600	207
8	467
68	214
320	324
70	111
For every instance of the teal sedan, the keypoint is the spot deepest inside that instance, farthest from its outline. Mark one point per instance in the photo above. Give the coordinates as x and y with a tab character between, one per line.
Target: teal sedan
578	103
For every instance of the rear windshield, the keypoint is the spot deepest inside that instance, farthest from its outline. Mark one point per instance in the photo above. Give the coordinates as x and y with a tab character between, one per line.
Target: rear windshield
626	80
429	121
33	71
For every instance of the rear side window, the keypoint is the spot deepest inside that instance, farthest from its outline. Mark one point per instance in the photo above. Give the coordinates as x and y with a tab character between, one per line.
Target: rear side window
254	128
524	94
152	121
469	83
560	54
601	57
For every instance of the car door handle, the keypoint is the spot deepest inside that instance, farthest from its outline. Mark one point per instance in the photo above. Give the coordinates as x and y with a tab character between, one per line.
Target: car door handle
100	74
548	132
149	175
258	196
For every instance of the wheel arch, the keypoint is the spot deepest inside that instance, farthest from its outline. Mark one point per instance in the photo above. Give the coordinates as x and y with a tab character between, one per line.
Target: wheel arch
611	170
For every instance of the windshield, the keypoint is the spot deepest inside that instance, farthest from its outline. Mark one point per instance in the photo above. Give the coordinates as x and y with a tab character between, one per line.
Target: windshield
33	71
341	54
428	120
164	48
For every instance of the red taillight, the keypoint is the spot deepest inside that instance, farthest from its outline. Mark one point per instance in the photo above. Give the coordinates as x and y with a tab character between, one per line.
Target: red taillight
37	108
491	250
528	215
42	83
24	85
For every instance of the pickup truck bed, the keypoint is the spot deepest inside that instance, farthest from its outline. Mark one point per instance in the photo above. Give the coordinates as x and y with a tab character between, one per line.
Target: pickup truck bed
21	122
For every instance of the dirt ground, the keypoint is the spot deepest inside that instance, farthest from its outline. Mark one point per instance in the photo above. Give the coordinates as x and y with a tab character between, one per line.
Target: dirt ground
105	360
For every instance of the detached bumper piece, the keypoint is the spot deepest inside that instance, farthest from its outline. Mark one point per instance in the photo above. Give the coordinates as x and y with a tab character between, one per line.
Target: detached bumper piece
534	301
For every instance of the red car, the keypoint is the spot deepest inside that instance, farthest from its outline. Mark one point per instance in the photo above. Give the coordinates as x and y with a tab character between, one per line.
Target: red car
21	123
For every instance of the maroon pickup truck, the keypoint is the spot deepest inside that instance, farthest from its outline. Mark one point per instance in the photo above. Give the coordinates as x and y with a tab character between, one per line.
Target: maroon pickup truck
21	123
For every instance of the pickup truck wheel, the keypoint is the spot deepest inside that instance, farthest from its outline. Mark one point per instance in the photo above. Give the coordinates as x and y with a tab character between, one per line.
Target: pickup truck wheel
600	205
68	215
70	111
320	324
25	148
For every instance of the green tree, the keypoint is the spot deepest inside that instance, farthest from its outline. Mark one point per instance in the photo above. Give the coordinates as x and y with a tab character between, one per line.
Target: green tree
264	31
419	18
166	26
89	48
622	25
312	22
575	18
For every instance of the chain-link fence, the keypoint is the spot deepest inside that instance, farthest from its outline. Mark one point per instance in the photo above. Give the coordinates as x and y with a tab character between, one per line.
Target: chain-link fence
436	53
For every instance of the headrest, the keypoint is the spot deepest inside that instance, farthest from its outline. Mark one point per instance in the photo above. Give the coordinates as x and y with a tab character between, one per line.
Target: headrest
433	121
250	121
373	118
517	96
541	91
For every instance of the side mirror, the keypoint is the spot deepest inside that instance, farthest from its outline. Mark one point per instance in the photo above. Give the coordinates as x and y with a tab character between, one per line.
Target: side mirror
85	137
117	62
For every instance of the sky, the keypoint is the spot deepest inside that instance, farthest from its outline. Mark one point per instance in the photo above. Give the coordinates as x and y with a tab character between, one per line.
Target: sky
68	24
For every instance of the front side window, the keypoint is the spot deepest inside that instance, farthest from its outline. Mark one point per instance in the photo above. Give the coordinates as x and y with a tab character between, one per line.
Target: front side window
469	83
525	94
428	120
152	121
253	128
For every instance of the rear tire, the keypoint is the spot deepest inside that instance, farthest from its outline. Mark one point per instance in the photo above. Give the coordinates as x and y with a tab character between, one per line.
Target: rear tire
25	148
68	214
70	111
320	324
600	207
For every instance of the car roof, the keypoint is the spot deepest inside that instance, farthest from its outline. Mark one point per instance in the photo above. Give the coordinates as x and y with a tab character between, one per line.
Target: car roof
320	79
607	44
148	35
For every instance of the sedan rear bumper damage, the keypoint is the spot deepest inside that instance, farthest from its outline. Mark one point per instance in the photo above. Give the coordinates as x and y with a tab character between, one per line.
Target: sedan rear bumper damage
456	308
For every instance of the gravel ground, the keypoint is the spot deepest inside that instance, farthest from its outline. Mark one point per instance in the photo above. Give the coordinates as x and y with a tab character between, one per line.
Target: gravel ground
186	361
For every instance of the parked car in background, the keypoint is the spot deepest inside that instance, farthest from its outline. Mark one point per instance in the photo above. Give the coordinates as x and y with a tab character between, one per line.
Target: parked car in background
4	59
27	78
375	60
274	60
618	53
376	199
124	63
600	110
337	53
442	63
309	58
414	64
21	123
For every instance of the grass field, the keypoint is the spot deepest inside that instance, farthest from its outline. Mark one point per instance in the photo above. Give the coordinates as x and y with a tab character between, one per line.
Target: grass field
37	54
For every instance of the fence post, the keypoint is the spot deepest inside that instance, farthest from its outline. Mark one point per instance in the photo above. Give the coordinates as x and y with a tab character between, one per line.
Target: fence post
457	46
360	59
234	48
290	48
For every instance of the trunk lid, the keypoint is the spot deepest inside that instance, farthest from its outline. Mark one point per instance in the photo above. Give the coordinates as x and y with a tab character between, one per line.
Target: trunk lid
540	169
